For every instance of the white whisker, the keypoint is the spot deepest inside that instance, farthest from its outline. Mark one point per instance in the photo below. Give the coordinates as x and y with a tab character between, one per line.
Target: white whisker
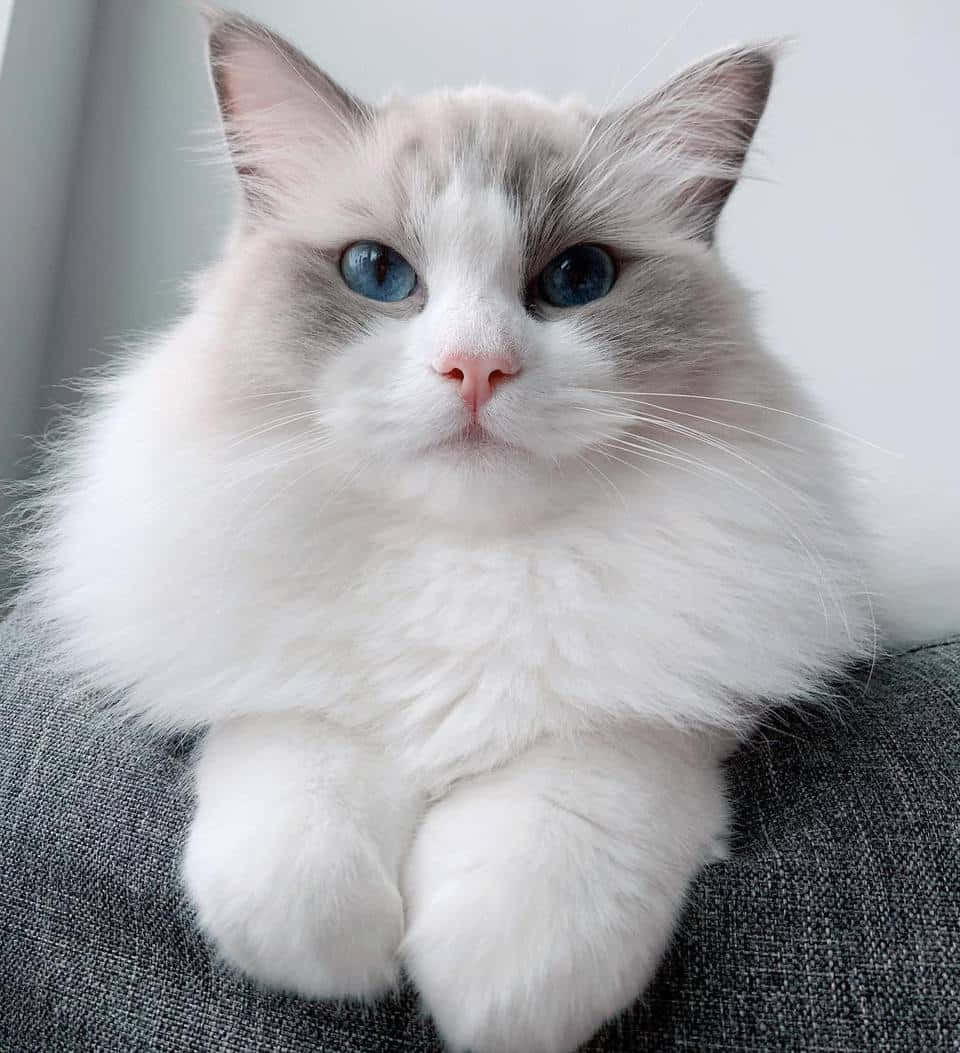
751	405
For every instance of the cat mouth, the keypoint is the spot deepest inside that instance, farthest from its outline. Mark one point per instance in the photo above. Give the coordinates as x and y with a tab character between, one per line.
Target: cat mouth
472	436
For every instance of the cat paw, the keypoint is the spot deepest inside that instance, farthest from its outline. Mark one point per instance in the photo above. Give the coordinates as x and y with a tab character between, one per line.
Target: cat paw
521	999
509	953
316	917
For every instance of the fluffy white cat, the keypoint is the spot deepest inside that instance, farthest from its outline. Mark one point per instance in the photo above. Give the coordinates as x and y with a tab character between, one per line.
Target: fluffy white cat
467	512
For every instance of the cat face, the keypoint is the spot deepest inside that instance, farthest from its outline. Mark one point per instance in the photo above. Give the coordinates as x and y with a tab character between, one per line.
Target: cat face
466	285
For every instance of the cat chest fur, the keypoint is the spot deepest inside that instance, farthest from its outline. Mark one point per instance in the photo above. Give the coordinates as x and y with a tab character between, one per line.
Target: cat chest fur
445	647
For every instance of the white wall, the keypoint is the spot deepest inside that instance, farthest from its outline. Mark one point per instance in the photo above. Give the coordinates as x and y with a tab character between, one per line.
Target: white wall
850	243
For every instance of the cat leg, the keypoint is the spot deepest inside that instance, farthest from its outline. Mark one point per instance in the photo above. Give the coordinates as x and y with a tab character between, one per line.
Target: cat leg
540	896
293	857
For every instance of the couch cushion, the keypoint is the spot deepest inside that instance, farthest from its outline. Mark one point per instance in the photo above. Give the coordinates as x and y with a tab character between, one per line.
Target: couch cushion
835	925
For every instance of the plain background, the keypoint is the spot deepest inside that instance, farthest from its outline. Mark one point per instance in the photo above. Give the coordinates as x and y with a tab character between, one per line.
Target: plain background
848	237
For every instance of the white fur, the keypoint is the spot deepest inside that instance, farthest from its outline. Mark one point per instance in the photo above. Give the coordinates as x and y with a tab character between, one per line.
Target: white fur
321	829
541	895
467	705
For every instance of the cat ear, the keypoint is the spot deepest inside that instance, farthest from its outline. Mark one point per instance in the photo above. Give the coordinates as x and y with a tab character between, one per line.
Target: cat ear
696	130
277	106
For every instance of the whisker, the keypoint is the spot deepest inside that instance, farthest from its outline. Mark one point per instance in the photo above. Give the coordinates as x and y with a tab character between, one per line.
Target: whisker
603	475
800	536
722	424
269	394
264	429
752	405
817	562
713	441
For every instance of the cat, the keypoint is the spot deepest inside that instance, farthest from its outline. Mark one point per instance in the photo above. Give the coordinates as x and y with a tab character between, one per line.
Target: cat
467	514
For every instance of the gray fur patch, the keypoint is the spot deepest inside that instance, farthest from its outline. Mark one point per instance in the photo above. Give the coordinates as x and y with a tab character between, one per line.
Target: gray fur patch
328	314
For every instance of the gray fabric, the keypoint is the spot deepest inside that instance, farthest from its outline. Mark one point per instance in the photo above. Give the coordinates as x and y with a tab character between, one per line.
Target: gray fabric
835	926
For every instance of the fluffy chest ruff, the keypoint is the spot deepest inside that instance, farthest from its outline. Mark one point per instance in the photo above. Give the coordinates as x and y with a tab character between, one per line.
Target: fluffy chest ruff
682	602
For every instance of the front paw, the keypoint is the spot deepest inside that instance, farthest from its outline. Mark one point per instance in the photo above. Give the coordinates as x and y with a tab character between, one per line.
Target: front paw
314	915
502	980
541	896
511	959
477	1011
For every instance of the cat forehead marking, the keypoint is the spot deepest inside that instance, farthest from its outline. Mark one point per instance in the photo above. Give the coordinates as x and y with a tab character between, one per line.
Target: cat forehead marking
528	162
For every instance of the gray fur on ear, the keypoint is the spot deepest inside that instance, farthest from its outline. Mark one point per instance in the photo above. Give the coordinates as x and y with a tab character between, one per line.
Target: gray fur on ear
273	100
698	127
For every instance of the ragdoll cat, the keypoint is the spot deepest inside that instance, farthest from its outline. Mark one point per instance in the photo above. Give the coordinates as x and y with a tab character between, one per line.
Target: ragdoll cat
467	512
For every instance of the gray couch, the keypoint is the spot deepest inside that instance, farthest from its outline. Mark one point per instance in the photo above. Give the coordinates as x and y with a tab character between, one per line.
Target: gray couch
835	926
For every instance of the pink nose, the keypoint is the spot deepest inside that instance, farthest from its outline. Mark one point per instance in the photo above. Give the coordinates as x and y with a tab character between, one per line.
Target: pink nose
477	375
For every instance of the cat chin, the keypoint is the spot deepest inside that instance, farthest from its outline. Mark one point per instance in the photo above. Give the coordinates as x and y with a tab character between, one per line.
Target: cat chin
483	485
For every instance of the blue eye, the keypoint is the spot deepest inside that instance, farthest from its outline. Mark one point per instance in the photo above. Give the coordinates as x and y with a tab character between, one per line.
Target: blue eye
577	276
377	271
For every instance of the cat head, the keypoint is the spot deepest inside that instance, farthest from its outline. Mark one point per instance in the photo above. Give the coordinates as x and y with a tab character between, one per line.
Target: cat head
466	288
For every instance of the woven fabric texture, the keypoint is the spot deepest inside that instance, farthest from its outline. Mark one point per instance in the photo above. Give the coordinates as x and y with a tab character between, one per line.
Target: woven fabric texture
834	926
